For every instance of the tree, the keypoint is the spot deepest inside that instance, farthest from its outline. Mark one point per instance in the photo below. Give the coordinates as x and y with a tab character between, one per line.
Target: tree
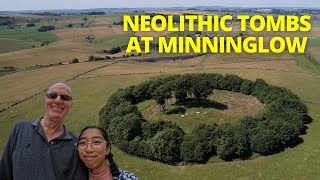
128	94
46	28
247	87
45	43
193	149
265	142
91	58
250	123
125	128
141	92
30	25
286	132
116	107
207	134
115	50
150	129
214	79
74	60
139	148
118	23
96	13
123	109
182	85
180	94
259	84
282	104
233	142
201	88
263	93
161	94
231	82
165	145
154	84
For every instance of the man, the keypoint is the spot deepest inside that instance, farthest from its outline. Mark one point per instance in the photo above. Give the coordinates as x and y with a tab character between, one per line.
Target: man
44	148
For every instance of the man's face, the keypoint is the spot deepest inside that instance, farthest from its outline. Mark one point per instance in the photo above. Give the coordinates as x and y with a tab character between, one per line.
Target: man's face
56	105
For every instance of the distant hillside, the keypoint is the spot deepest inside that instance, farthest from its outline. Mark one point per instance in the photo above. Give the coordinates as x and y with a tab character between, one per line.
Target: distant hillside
208	8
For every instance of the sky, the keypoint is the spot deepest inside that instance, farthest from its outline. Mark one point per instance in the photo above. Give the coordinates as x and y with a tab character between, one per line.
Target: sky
14	5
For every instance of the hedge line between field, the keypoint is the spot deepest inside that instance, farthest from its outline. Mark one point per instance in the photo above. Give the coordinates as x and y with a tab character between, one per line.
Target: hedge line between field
278	127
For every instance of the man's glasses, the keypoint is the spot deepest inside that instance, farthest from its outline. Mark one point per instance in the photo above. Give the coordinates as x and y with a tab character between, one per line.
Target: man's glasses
63	97
95	145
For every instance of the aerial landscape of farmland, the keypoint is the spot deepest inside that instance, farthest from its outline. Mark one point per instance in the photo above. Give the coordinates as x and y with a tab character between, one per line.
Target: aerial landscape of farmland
223	91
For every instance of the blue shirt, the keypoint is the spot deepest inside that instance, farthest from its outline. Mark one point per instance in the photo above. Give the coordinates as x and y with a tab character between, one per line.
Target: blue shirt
125	175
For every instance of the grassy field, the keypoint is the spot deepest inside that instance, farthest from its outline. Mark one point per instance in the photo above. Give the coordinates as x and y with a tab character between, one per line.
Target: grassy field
314	52
227	107
53	53
308	63
28	34
97	32
91	94
113	41
10	45
23	38
313	42
36	82
93	83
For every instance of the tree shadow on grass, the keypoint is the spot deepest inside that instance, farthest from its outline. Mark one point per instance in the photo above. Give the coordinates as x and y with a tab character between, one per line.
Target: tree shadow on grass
177	110
295	142
202	103
307	119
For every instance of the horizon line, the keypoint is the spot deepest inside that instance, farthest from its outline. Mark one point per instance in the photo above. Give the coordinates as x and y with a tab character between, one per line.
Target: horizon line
159	8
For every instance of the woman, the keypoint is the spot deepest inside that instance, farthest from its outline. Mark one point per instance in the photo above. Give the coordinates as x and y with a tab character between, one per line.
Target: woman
96	154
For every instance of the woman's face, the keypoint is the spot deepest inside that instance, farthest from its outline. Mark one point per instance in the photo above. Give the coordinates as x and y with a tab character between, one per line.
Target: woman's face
93	148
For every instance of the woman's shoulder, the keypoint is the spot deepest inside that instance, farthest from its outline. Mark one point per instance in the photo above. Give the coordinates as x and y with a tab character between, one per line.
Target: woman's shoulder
126	175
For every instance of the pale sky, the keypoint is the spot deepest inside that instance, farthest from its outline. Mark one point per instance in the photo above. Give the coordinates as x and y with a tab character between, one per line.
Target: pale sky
7	5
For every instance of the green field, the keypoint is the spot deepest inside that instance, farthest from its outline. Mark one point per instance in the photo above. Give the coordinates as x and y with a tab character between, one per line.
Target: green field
309	64
27	34
9	45
94	82
113	41
313	42
23	38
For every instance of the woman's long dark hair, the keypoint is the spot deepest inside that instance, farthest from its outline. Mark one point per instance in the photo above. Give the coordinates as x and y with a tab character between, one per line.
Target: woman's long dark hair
114	168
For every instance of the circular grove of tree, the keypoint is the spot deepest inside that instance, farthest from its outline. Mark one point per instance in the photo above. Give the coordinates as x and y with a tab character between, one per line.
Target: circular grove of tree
278	127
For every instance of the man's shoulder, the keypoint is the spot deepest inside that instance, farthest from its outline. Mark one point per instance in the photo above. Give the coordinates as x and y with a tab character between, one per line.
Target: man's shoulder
21	128
22	124
28	123
72	135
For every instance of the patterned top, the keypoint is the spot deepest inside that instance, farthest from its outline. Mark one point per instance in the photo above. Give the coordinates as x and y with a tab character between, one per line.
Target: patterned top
125	175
